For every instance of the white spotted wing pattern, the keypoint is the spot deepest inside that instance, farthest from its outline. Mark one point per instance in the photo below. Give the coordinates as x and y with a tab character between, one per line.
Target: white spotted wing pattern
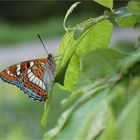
34	77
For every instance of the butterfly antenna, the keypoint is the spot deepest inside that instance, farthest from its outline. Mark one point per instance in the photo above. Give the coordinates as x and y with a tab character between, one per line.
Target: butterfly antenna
42	44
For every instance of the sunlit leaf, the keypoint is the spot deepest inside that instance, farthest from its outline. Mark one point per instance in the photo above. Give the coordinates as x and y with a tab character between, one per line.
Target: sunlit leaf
104	103
106	3
97	37
72	73
68	45
63	64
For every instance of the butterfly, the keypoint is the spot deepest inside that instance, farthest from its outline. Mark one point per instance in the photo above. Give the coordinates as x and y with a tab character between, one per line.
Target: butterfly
33	77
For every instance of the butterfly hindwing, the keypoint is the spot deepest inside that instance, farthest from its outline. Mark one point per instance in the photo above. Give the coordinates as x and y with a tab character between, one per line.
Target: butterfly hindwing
36	81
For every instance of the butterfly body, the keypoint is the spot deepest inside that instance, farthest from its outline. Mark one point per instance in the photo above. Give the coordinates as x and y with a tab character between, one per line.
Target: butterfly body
33	77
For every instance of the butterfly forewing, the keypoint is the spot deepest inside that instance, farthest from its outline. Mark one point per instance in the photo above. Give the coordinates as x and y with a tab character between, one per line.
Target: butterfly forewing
9	75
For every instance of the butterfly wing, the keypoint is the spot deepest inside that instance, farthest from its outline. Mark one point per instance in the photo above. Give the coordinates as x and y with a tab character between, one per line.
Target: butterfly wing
10	75
19	75
36	81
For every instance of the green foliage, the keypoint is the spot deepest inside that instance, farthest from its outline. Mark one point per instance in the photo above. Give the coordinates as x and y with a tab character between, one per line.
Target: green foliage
106	3
93	36
125	121
137	43
102	67
12	33
72	73
134	7
102	82
125	18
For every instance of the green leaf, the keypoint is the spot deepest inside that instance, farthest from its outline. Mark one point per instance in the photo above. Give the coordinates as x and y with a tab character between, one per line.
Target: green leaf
52	108
134	86
50	135
97	37
127	125
83	89
124	46
65	117
56	109
127	21
94	123
45	114
101	63
134	7
109	131
68	13
67	49
110	108
117	97
127	63
72	73
68	45
106	3
137	45
62	65
125	18
80	115
46	109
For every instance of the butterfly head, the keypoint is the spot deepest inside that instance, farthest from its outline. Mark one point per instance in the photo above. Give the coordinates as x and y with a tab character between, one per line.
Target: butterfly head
52	61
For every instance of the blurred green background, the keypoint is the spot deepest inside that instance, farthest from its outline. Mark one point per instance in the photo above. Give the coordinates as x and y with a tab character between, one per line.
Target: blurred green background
20	22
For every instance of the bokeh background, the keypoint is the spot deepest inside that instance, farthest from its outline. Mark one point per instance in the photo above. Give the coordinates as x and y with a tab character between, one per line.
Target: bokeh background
20	22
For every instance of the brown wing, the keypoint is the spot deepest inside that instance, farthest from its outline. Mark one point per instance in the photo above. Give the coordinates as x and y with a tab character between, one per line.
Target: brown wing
12	74
33	84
